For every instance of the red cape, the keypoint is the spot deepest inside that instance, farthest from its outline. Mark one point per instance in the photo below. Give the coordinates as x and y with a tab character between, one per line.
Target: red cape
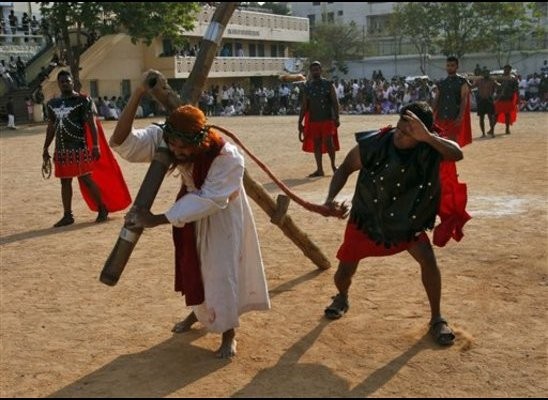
511	106
462	133
454	194
308	142
452	211
107	175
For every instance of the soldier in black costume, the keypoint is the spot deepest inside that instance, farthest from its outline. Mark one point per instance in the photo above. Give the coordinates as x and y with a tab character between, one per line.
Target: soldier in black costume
67	116
396	199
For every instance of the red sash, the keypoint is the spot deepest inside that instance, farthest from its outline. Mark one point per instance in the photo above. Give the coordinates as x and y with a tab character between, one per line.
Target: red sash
188	276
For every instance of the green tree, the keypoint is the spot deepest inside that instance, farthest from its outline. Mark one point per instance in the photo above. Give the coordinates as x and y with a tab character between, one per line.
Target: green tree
510	27
142	21
417	22
332	45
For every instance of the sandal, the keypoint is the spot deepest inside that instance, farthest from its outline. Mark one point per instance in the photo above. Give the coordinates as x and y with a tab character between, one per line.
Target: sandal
338	308
67	219
440	331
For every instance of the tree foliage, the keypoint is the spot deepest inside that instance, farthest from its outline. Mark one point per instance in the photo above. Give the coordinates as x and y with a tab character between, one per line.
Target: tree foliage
461	28
332	45
416	22
142	21
510	24
458	28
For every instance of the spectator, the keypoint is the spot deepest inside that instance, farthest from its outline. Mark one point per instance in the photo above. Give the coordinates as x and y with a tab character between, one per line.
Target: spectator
30	108
25	22
13	22
10	109
34	26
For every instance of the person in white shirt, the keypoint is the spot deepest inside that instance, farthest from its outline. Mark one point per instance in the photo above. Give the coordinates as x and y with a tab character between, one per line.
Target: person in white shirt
218	262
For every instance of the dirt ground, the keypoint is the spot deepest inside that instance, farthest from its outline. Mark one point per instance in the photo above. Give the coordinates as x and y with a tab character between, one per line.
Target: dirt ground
65	334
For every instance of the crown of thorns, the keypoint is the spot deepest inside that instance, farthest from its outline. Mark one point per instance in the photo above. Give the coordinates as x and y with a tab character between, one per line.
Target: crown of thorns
193	138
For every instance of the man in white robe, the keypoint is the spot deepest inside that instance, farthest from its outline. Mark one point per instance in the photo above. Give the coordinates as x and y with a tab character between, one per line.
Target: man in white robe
226	240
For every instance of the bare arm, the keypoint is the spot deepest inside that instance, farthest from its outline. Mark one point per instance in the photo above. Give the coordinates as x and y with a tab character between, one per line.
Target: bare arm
125	121
50	134
464	94
436	100
304	109
93	127
351	163
448	149
335	105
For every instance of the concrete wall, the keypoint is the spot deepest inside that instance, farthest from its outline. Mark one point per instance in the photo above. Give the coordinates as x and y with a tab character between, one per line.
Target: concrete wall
524	63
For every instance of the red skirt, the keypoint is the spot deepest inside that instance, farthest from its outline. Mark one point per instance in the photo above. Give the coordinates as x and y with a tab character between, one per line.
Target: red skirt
503	107
319	129
358	245
72	163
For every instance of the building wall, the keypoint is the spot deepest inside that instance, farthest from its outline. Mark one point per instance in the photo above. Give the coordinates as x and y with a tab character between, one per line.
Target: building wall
344	12
409	65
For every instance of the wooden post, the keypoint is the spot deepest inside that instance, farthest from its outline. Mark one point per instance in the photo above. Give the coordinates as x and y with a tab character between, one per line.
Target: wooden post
284	222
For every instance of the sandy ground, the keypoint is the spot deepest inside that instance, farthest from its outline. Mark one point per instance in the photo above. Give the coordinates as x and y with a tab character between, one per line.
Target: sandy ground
65	334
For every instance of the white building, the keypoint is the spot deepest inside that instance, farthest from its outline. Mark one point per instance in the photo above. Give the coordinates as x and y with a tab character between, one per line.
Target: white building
400	58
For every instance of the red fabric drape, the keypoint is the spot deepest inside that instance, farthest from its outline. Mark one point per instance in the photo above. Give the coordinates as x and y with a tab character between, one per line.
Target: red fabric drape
509	106
454	194
188	276
462	133
308	142
107	175
452	211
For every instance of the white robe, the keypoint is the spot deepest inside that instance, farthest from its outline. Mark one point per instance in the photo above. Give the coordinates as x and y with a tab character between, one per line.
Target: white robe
228	246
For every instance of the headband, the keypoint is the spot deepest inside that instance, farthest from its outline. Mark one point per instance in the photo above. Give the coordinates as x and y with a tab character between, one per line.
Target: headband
193	138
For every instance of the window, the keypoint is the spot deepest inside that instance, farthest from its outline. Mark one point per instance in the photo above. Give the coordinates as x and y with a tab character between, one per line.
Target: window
311	19
126	88
331	17
167	48
260	50
315	3
252	50
273	50
94	88
339	13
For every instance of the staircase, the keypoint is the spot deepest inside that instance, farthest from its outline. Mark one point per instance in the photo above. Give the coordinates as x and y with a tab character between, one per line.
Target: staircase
21	115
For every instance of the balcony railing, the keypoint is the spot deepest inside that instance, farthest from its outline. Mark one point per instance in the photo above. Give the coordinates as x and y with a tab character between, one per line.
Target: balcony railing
234	66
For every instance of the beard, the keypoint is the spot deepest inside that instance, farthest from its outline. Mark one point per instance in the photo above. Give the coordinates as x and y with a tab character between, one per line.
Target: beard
181	160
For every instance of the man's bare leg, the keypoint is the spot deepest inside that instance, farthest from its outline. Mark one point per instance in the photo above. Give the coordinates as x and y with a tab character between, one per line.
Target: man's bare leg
186	324
491	124
318	158
482	125
228	345
331	152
